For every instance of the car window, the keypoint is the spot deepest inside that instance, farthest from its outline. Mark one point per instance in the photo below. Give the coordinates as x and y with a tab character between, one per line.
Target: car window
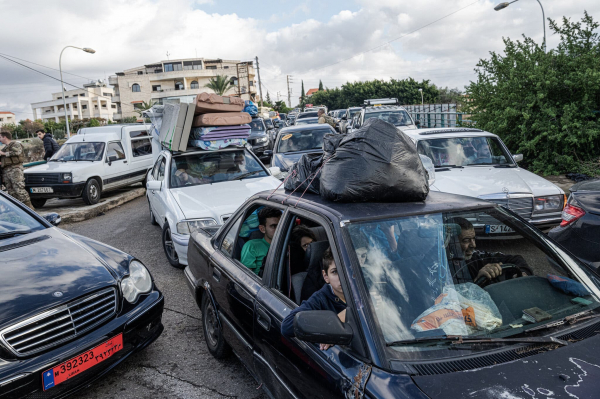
115	149
156	167
161	170
140	148
307	121
228	243
464	151
14	220
395	117
257	125
468	273
302	140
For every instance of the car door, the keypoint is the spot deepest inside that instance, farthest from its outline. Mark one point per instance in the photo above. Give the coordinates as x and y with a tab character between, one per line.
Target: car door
289	367
156	196
117	166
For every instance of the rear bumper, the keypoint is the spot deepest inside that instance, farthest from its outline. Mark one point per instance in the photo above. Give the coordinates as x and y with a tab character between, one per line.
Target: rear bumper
65	190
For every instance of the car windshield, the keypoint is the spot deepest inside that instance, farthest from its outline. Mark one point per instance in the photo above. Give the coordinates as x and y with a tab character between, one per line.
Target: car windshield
269	122
308	115
428	277
465	151
15	221
214	167
87	151
303	140
354	112
257	125
307	121
395	117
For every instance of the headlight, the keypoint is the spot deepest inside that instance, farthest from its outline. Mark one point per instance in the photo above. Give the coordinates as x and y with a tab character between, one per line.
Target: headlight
262	139
67	177
552	203
137	283
190	226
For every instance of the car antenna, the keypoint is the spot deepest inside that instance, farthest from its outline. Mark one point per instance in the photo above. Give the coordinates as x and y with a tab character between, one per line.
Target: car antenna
283	182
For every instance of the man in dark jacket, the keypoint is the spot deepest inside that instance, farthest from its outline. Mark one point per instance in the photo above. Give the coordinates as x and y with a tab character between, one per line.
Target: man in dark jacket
50	145
329	297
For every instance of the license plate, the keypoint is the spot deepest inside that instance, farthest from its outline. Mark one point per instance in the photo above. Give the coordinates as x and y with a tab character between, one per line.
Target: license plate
36	190
497	229
79	364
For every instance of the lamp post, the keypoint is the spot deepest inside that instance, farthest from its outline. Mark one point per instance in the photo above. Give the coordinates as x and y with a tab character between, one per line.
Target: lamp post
421	91
502	6
87	50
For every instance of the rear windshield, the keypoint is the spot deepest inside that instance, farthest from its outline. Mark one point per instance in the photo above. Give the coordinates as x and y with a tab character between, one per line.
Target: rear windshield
303	140
307	121
257	125
308	115
395	117
464	151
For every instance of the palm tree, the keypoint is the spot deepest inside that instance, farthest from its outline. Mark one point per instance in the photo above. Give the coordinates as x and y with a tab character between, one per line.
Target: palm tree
144	106
220	84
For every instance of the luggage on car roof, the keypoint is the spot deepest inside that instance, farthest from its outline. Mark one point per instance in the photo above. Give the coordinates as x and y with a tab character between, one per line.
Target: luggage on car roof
306	176
222	119
211	103
376	163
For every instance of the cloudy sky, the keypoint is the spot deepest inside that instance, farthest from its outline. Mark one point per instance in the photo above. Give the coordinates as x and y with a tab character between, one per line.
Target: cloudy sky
335	41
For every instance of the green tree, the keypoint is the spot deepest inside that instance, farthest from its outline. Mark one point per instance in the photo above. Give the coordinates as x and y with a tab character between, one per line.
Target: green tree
449	96
29	127
302	94
544	105
280	106
129	119
144	106
268	98
220	84
320	85
94	123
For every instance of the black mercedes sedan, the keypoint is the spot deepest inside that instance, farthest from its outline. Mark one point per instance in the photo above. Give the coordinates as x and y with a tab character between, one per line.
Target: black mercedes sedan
579	230
71	308
427	305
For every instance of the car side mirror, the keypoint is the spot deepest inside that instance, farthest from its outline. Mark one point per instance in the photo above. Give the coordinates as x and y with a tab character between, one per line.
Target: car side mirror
518	157
154	185
275	171
112	159
322	327
268	153
53	218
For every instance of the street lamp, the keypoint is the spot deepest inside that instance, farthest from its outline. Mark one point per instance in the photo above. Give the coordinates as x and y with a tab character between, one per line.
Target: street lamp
502	6
421	90
87	50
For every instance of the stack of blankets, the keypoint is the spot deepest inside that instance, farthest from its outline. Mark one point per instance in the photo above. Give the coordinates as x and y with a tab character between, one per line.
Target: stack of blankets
219	122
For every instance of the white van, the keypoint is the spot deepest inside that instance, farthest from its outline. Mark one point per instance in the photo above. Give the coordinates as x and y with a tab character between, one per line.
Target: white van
96	160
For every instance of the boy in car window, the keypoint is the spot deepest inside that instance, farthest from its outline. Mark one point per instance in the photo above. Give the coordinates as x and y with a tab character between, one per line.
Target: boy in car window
254	251
330	297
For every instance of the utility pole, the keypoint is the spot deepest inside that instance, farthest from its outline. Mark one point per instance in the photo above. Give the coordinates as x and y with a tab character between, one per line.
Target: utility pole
289	92
259	85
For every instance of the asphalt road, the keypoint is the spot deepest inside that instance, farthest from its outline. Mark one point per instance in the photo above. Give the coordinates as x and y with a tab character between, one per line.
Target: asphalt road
177	364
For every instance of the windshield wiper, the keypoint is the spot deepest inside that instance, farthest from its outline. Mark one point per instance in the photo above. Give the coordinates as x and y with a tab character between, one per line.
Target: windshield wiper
573	319
447	167
459	339
243	176
504	165
57	160
14	233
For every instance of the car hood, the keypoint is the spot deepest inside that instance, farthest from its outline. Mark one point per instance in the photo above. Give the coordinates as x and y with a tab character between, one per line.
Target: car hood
216	200
475	181
64	167
287	160
572	371
36	265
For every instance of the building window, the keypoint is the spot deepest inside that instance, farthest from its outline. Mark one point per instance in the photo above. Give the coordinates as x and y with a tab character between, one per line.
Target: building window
135	88
107	94
83	106
156	88
95	107
113	106
178	86
138	106
251	83
82	95
176	66
194	85
66	96
211	67
226	67
140	72
189	65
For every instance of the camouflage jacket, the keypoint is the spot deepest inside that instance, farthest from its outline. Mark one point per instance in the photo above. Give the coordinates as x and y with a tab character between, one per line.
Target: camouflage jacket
15	155
327	119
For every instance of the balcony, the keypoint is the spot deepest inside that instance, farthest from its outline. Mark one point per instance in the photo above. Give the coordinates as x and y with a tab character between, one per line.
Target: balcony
116	98
112	80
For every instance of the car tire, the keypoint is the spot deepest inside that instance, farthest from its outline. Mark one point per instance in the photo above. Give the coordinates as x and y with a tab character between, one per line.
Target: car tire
91	192
169	247
213	334
38	202
153	221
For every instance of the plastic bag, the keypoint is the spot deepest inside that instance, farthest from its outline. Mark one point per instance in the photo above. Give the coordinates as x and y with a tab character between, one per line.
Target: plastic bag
250	108
376	163
330	143
460	310
306	168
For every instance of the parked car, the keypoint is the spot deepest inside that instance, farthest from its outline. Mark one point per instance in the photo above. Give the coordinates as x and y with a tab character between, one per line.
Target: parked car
347	118
307	121
282	116
259	139
579	230
94	161
293	142
477	163
396	263
71	308
200	189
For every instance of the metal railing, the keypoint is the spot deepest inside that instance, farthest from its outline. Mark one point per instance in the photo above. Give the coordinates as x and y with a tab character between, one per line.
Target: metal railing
437	115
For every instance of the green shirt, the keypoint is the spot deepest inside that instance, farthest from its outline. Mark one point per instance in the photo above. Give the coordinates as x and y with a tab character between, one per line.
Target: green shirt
253	253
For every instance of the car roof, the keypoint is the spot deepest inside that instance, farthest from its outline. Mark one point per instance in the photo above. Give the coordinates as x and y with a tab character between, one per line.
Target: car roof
295	128
348	212
201	151
382	108
447	132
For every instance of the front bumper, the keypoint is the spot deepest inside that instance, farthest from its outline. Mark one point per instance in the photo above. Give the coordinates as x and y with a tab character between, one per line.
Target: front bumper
180	241
545	223
64	190
259	150
140	327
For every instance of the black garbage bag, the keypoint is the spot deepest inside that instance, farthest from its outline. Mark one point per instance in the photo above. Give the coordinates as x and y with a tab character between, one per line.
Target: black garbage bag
306	168
376	163
331	142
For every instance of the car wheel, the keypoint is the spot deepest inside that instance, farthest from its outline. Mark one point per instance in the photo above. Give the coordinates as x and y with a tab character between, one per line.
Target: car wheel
169	247
153	221
91	192
38	202
213	335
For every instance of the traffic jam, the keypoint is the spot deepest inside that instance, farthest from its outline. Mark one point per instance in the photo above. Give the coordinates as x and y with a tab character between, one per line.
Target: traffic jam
335	253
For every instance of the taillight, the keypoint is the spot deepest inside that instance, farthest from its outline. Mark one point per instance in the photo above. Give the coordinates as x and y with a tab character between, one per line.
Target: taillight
570	214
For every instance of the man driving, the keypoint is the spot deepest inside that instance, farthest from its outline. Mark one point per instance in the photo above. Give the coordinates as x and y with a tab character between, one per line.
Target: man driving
482	263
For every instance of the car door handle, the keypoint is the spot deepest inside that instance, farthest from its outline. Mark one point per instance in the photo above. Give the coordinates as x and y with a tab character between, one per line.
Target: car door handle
263	319
125	161
216	275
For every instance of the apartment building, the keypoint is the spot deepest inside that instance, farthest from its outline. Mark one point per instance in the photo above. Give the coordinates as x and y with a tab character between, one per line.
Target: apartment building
179	79
7	117
94	100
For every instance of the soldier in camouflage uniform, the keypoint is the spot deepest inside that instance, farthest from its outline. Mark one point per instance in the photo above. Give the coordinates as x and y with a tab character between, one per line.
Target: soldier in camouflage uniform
12	158
324	118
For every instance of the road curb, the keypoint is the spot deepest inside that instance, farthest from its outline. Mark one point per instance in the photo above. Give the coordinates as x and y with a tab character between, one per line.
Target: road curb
80	214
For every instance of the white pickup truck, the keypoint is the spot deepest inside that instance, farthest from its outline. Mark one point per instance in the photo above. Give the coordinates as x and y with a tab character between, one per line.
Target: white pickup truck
94	161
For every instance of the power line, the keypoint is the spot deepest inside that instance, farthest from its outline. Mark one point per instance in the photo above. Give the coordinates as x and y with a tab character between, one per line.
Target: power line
44	66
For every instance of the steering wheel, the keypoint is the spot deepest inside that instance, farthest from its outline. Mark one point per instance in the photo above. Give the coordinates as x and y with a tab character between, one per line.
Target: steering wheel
508	271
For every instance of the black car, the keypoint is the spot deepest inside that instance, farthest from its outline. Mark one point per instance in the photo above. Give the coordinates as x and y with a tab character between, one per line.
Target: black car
294	141
259	138
579	230
71	308
420	322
